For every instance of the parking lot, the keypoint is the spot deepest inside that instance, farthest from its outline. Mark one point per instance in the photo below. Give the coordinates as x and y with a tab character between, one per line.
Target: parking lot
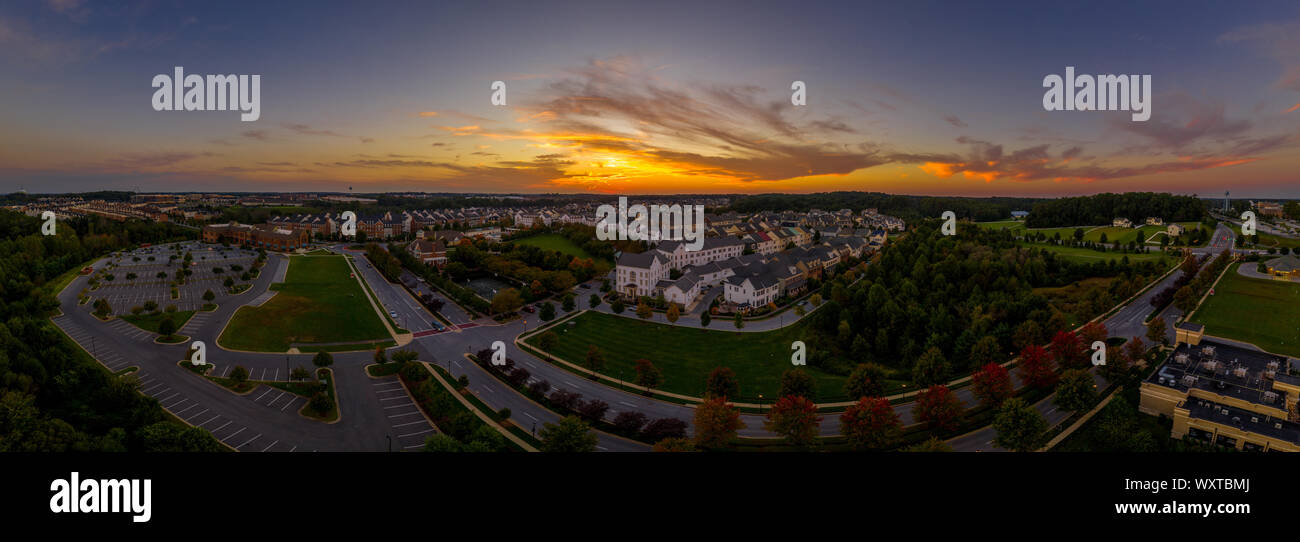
123	293
410	427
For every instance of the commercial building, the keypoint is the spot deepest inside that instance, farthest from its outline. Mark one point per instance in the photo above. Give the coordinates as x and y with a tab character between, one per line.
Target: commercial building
1223	394
256	235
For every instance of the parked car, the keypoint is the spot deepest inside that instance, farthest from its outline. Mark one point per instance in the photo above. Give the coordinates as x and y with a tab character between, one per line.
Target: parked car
529	309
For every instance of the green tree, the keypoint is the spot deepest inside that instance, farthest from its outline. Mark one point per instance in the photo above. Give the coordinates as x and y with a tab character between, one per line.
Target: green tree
705	319
1156	330
593	301
323	359
643	310
166	327
239	374
794	418
986	351
1019	426
866	380
299	373
931	368
738	321
209	296
547	313
1076	391
506	300
568	435
798	383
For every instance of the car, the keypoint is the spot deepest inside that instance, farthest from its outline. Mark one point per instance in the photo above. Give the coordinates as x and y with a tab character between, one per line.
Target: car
529	309
585	286
392	313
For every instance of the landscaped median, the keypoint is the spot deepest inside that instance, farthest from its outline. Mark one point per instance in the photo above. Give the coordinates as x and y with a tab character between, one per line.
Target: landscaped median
462	426
321	405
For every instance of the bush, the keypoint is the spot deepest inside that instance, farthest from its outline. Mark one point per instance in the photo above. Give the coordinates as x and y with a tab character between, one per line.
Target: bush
663	428
629	422
321	403
414	372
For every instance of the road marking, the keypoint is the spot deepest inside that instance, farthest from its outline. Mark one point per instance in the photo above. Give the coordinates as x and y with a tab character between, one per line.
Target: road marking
259	397
249	440
416	433
197	414
268	446
210	421
394	398
241	430
163	400
398	406
408	423
406	414
295	447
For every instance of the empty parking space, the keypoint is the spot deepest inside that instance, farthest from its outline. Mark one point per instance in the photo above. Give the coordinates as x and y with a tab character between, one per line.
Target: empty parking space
409	426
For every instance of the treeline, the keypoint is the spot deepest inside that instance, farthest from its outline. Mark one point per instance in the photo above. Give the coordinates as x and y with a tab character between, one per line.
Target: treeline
956	302
540	269
54	396
908	208
19	198
585	237
1101	209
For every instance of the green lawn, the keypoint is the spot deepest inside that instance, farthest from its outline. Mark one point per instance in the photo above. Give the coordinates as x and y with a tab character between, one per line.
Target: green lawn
149	322
551	241
686	355
318	303
1087	255
1267	240
1263	312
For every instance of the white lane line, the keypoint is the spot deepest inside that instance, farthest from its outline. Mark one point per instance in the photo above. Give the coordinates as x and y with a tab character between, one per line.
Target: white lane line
249	440
187	409
286	405
197	414
277	398
430	430
406	414
177	403
223	426
209	421
268	446
398	390
394	398
259	397
163	400
408	423
398	406
241	430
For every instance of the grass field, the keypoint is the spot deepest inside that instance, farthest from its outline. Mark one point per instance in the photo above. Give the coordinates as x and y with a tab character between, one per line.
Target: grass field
687	355
552	241
317	303
1267	240
1087	255
149	322
1263	312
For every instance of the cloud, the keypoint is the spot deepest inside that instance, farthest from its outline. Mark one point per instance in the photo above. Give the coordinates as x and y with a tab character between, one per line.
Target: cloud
260	135
1179	119
308	130
953	120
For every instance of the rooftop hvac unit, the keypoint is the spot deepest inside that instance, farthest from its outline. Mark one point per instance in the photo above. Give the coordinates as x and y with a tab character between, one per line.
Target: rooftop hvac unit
1239	372
1273	365
1270	374
1189	380
1270	397
1277	425
1181	358
1254	419
1210	365
1208	351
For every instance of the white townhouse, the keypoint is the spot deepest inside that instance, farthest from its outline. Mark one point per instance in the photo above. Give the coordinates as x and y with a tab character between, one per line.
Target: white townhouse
638	274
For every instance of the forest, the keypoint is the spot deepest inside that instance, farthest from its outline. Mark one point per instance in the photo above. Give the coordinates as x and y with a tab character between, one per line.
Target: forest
909	208
1101	209
54	396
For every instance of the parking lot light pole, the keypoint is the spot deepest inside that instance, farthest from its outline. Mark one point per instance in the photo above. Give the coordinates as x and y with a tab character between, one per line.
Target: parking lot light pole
390	442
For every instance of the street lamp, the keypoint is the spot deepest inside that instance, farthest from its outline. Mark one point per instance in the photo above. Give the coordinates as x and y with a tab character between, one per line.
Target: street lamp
390	442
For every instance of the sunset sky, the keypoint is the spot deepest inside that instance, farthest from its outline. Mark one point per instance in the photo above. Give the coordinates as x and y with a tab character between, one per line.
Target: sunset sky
652	97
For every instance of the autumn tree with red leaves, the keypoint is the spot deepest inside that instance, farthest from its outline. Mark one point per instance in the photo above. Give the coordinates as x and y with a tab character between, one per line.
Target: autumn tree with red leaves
1036	367
871	423
716	423
795	418
938	407
1068	351
992	384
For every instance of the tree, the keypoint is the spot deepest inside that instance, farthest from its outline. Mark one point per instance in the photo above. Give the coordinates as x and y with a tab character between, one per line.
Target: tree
1036	367
1027	333
321	403
570	434
797	382
795	418
1092	332
548	340
1019	426
938	407
595	360
166	327
738	321
1076	391
506	300
674	444
643	310
629	422
229	282
647	375
705	319
1156	330
871	423
404	356
716	423
933	444
722	383
992	384
547	313
567	303
323	359
617	306
1068	351
239	374
866	380
299	373
986	351
593	301
209	296
380	357
931	369
1135	350
673	314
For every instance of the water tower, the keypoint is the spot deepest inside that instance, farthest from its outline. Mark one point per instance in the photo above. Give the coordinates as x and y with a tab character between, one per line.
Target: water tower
1227	207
